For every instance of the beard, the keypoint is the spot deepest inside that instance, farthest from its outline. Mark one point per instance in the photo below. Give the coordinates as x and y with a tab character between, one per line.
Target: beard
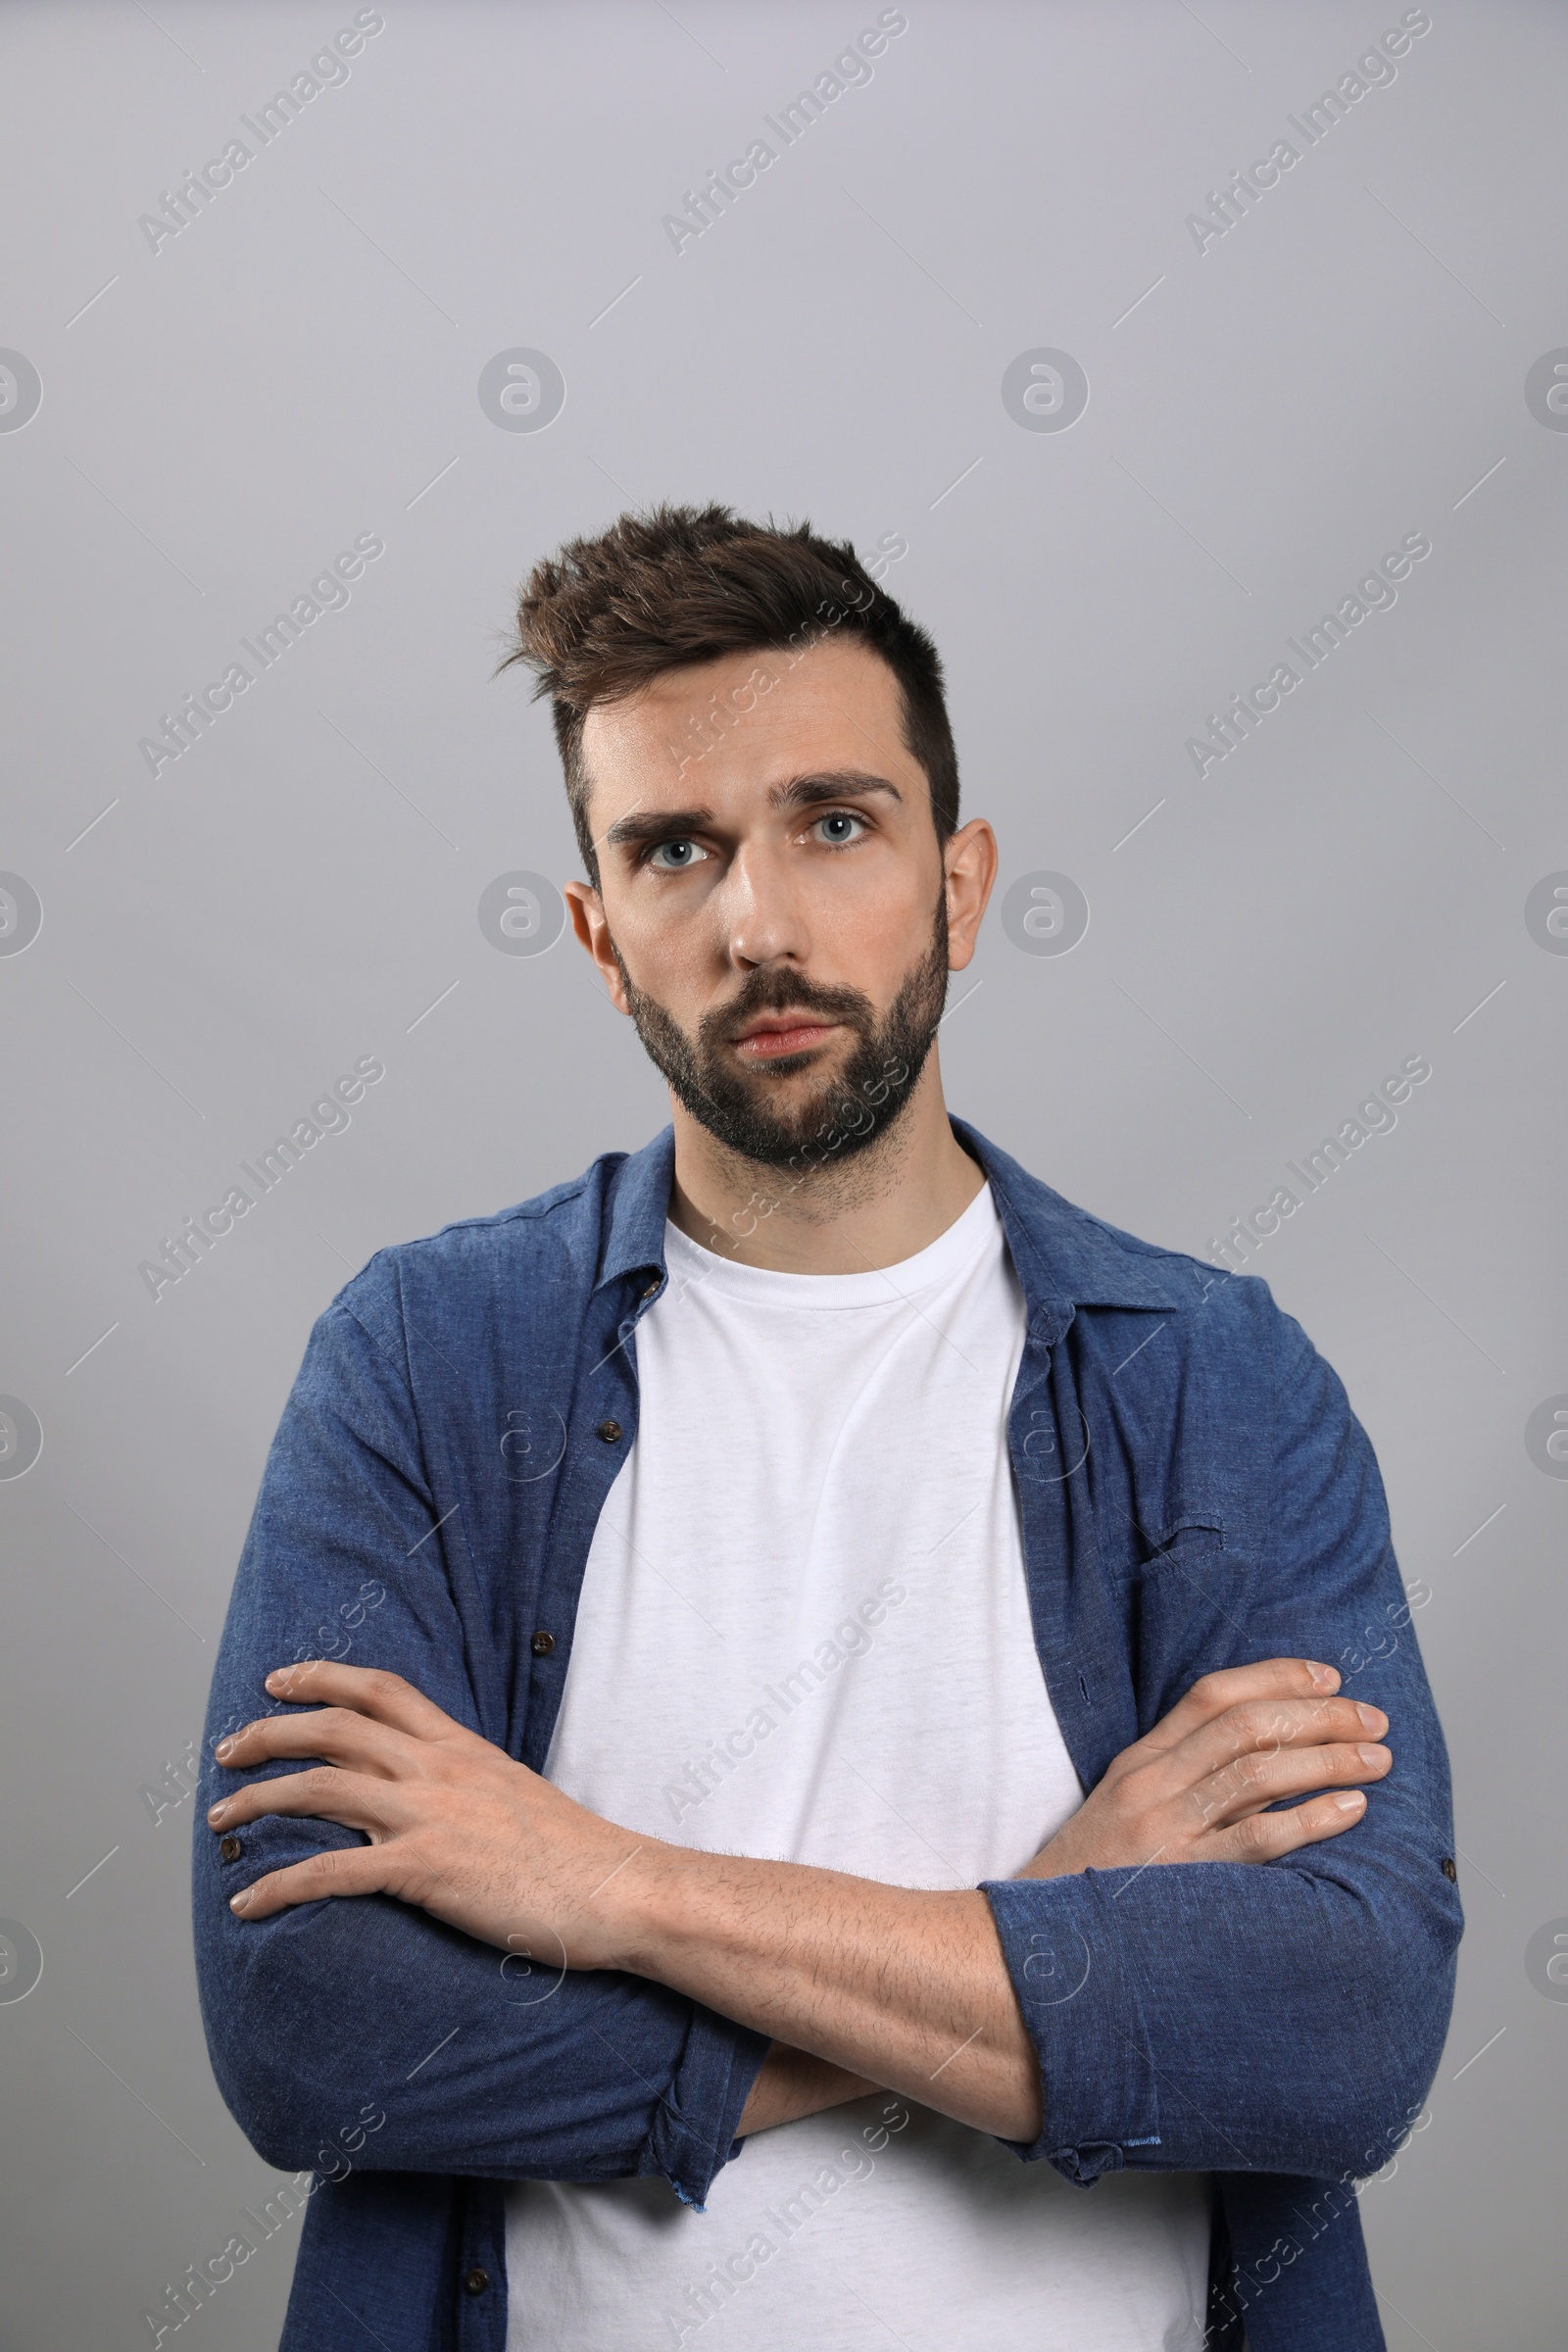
841	1115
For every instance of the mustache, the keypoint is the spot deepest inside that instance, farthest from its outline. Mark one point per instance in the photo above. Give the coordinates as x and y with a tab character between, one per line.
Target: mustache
772	990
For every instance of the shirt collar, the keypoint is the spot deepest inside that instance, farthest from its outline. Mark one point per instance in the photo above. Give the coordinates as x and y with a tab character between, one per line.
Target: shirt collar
639	1203
1065	1258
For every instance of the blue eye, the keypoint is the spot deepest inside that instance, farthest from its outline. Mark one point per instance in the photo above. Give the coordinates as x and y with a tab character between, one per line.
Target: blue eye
676	857
836	827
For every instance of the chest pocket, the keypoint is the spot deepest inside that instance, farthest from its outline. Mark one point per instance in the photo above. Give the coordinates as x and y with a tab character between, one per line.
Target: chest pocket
1185	1543
1185	1608
1171	1548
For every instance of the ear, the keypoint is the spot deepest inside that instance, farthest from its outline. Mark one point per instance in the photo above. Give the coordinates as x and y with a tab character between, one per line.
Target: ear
588	921
969	863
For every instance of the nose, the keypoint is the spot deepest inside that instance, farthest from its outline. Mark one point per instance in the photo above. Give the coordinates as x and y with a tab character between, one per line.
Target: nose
764	919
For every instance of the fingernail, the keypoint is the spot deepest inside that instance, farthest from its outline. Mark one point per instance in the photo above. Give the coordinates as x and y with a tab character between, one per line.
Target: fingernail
1373	1719
1350	1800
1325	1678
276	1677
1373	1757
224	1747
240	1901
214	1813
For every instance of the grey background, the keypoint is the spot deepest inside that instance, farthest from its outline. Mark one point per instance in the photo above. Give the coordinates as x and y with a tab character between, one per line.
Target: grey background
218	419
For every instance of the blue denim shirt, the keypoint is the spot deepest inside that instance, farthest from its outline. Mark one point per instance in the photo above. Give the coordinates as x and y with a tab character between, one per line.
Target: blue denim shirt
1194	1492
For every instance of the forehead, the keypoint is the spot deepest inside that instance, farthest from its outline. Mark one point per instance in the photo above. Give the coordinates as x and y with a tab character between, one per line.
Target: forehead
835	707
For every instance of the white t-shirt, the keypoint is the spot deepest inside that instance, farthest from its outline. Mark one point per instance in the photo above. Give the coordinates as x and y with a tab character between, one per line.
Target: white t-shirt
804	1633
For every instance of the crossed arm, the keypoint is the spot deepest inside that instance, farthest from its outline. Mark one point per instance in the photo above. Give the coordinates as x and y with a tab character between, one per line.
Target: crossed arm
859	1985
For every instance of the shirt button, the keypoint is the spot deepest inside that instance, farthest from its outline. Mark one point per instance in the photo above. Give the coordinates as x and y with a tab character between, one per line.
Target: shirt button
651	1291
542	1644
609	1431
230	1849
476	2281
1448	1871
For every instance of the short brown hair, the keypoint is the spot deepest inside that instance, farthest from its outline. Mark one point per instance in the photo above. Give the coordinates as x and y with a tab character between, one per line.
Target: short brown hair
682	585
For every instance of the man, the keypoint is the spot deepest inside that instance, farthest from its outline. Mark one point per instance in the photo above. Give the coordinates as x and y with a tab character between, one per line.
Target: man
841	1672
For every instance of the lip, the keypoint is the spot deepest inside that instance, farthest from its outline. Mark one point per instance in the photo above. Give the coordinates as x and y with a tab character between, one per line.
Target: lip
772	1040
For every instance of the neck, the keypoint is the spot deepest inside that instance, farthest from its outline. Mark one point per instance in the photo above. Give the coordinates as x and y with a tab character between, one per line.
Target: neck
891	1199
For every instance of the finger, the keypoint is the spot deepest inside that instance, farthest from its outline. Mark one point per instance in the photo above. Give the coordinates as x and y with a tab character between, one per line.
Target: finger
342	1870
1233	1686
369	1690
337	1733
326	1795
1265	1726
1249	1782
1265	1837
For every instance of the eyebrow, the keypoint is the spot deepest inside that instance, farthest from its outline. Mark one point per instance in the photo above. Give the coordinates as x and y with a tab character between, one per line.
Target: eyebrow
833	784
808	791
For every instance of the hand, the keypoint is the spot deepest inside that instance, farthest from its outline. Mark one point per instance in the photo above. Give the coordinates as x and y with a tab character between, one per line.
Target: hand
1194	1788
455	1824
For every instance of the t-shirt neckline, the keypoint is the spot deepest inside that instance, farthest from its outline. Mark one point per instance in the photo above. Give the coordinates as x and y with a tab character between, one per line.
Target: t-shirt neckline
952	1252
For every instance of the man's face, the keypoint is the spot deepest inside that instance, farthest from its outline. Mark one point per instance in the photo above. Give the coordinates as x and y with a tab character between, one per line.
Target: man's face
774	909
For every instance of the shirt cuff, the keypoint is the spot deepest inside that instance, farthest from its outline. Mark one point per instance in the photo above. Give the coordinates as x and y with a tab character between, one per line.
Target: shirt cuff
693	2136
1081	2008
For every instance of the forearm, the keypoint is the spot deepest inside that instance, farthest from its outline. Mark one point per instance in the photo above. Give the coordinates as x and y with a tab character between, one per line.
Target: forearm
902	1988
793	2084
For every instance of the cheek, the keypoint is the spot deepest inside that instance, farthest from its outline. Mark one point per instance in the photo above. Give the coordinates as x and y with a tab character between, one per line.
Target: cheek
673	947
876	925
